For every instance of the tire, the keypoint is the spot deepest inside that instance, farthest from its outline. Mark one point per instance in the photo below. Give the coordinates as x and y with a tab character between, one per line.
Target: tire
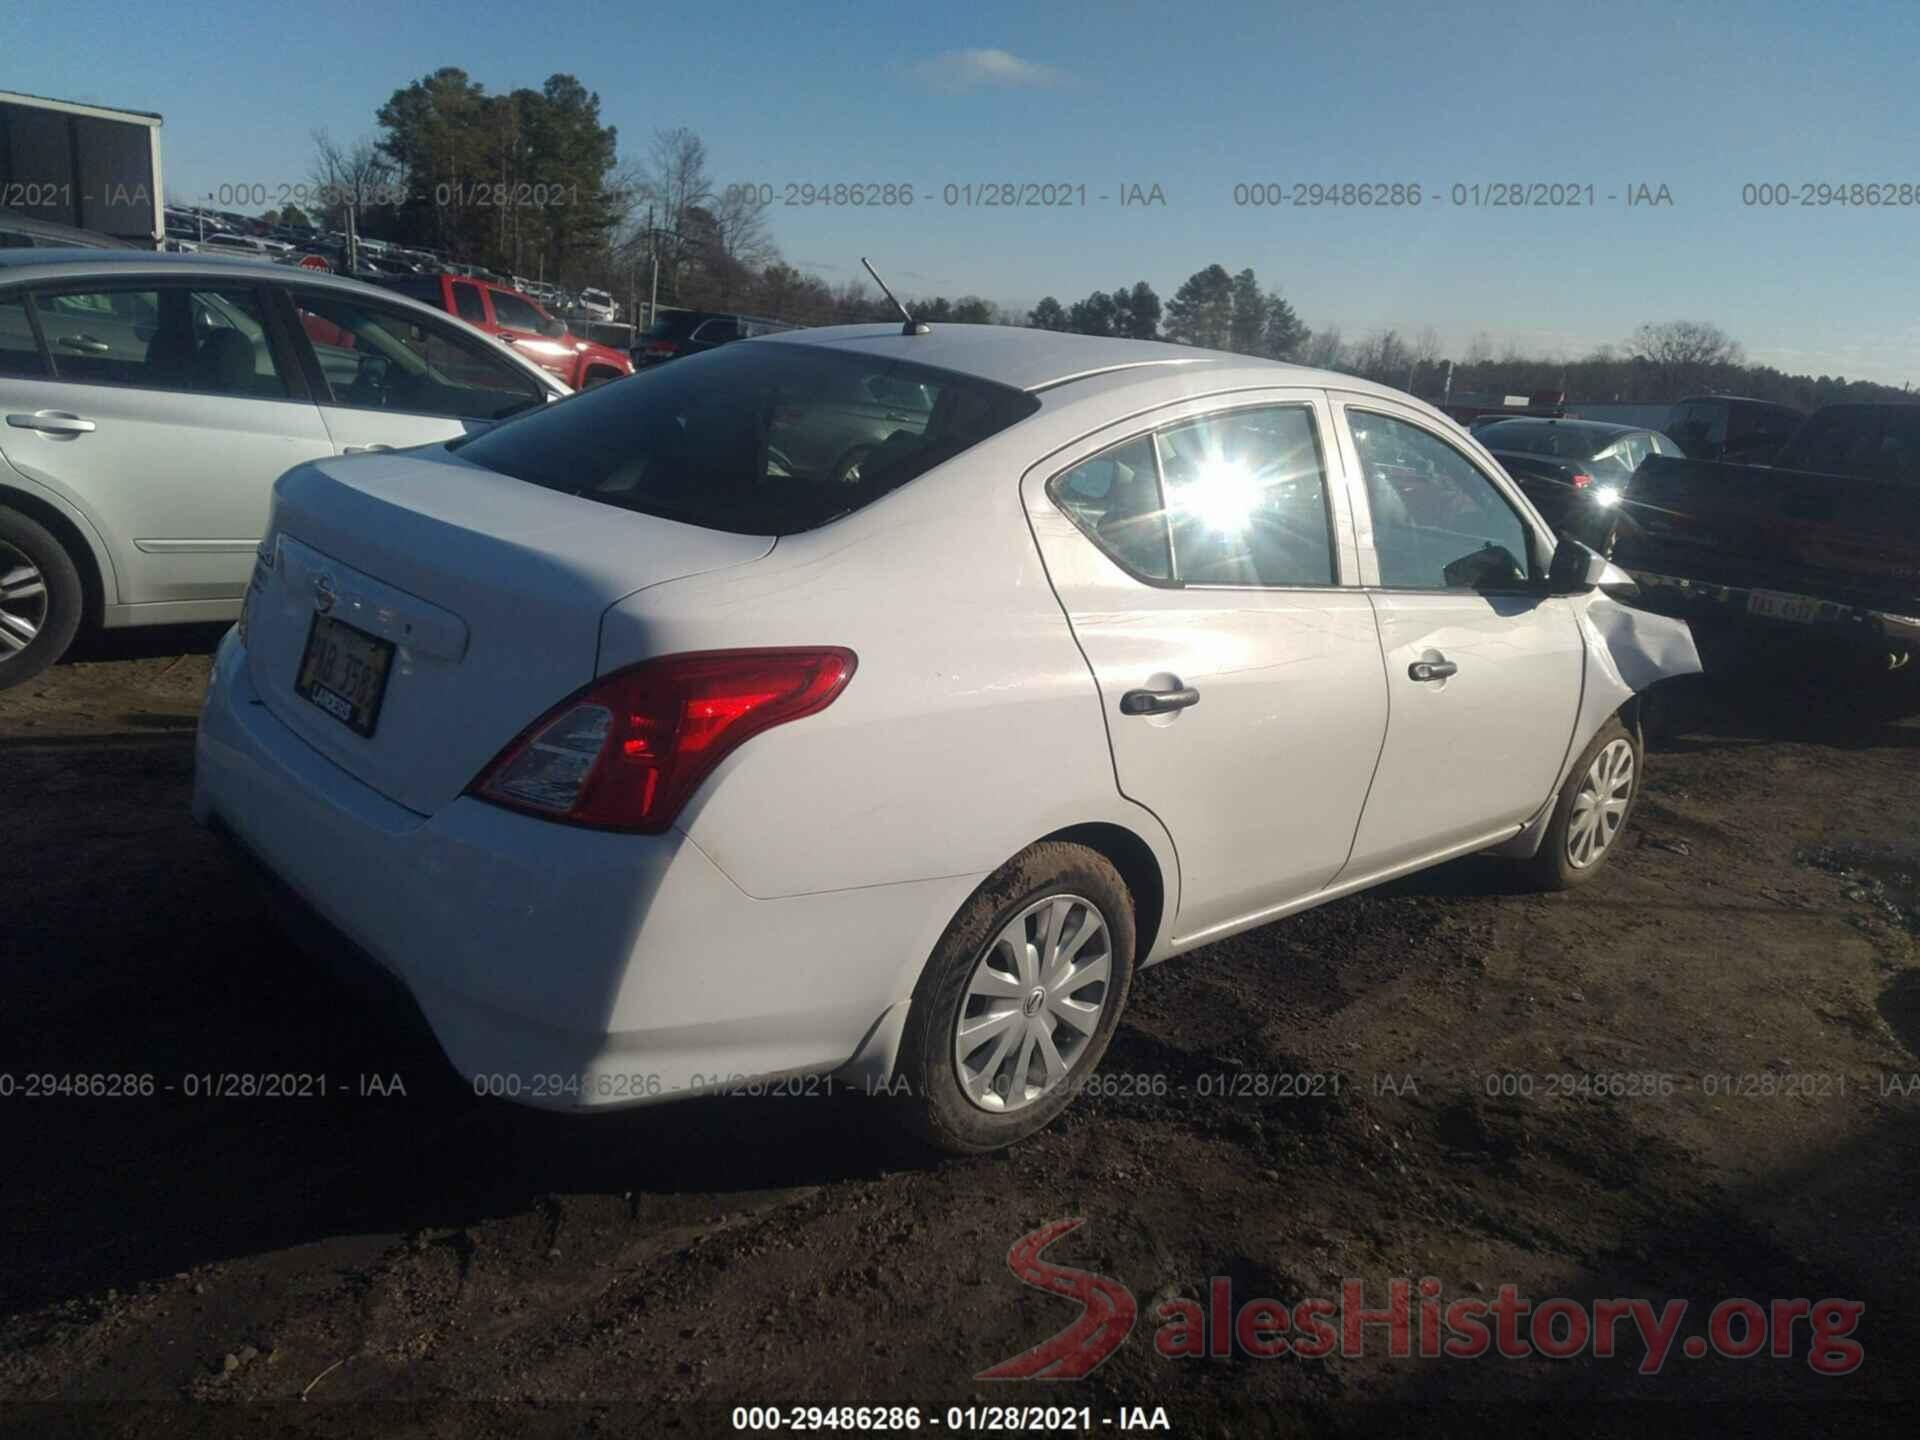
935	1099
1564	859
41	598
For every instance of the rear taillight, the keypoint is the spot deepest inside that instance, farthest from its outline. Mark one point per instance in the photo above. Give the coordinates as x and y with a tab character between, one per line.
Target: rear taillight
628	751
1580	482
661	347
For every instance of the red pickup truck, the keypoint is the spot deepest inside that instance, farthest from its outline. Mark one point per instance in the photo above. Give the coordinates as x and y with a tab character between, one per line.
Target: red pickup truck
542	338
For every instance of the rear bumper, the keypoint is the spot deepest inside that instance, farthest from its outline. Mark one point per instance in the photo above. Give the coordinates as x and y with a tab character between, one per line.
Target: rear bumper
1870	628
560	967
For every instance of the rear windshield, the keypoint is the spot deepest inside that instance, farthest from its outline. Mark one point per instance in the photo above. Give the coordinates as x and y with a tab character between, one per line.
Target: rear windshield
670	327
753	439
1568	442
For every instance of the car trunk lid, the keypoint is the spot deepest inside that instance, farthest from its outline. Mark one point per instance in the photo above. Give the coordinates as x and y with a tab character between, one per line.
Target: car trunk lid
481	594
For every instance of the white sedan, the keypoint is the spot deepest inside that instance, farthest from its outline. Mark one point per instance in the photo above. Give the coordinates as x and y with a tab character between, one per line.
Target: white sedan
655	762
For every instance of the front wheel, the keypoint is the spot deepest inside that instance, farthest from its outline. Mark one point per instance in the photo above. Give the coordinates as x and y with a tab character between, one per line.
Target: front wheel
1019	1000
1591	810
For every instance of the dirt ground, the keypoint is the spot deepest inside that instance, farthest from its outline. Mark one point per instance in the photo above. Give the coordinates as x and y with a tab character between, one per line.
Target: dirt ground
431	1263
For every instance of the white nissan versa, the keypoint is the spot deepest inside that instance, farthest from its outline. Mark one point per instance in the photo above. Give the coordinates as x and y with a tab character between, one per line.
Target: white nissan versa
654	746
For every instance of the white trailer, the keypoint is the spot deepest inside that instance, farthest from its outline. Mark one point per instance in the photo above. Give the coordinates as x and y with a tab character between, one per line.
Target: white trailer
82	165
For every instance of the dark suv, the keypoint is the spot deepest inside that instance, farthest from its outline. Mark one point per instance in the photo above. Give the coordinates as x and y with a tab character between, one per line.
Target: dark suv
1732	427
686	332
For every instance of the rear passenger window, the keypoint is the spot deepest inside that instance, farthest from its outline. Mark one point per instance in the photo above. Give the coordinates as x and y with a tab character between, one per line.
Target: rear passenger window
466	299
1246	497
213	342
19	352
1115	499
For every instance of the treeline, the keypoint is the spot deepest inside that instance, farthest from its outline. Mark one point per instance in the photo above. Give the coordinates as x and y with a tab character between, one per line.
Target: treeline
531	183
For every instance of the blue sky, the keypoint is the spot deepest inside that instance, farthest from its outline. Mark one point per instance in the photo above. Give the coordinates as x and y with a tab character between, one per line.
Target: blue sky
1699	97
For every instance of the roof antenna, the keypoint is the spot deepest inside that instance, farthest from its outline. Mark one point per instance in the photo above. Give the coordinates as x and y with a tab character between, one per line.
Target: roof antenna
913	326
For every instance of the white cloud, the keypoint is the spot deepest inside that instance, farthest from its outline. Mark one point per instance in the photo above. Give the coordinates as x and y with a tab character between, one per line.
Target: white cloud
960	70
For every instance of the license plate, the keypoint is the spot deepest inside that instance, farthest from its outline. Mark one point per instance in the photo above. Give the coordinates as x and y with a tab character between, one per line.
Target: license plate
1801	610
344	672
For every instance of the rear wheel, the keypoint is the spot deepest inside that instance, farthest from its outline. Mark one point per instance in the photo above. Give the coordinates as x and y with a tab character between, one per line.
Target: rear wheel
41	599
1019	1000
1591	811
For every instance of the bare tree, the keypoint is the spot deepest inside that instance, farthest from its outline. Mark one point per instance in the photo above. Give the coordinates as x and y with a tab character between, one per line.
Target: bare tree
349	178
1325	350
674	179
741	232
1684	354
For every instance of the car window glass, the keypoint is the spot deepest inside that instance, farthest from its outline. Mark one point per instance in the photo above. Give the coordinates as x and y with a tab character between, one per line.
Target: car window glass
1246	498
516	314
899	394
19	351
1438	522
716	331
1115	499
377	358
466	299
754	439
174	338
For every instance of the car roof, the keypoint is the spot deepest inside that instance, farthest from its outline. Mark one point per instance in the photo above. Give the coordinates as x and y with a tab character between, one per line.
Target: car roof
1028	359
1735	400
38	266
1574	422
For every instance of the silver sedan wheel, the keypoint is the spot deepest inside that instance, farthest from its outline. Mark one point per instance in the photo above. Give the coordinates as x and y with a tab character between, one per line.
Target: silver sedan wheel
1601	805
1033	1003
23	601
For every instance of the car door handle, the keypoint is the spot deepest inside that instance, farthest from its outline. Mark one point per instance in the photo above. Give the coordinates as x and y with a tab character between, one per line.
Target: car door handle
362	449
1432	669
52	422
1158	702
86	344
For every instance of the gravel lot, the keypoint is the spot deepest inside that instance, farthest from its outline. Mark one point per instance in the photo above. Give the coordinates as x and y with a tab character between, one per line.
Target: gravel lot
394	1257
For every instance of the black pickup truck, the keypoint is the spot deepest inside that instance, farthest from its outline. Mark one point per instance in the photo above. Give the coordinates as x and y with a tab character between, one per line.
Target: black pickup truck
1823	545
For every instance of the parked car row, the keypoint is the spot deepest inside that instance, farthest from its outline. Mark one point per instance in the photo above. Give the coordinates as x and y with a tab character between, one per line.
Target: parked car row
150	401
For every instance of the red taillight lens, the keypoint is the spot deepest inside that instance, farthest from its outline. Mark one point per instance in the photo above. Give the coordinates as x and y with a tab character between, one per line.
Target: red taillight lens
628	751
661	347
1580	482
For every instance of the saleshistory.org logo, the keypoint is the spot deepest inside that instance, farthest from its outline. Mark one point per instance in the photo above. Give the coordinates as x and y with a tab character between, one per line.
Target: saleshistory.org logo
1107	1312
1508	1324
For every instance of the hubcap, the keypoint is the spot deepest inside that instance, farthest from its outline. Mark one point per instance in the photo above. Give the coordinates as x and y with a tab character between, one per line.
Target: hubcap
23	601
1033	1003
1601	805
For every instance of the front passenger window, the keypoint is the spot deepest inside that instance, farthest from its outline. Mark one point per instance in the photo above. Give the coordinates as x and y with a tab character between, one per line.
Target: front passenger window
375	358
1438	522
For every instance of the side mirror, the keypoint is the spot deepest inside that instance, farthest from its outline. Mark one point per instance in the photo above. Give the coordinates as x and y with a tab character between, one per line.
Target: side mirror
555	328
1576	568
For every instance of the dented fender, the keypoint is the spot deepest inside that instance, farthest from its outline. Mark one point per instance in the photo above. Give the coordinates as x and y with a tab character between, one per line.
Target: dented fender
1629	651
